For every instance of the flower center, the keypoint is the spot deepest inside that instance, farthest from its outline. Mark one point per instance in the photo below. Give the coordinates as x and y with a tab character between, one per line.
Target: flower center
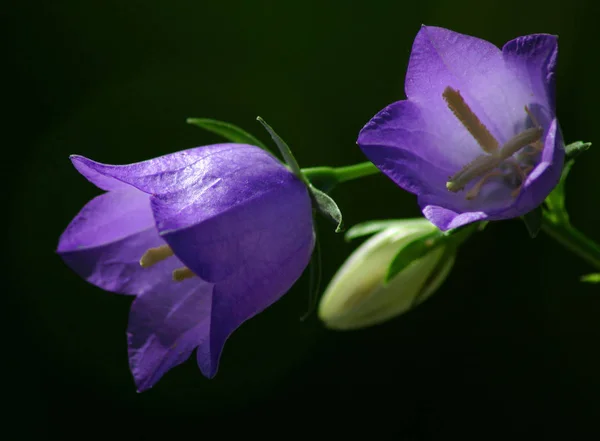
158	254
499	160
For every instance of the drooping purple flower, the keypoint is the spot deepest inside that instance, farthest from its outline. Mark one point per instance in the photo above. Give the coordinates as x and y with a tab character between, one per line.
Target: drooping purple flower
477	138
204	238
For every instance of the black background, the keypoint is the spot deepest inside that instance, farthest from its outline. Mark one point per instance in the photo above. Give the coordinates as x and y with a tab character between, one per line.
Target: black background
509	345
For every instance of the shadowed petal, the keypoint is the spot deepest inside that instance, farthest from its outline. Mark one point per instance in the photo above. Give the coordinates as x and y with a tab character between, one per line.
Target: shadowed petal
105	241
538	185
165	326
280	258
533	59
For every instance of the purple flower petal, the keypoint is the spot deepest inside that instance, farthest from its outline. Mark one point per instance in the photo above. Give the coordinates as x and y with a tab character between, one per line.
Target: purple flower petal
105	241
532	59
420	143
165	326
282	253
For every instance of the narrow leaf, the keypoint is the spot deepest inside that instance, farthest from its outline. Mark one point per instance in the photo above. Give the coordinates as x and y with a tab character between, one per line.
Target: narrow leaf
286	152
327	207
413	251
556	199
375	226
228	131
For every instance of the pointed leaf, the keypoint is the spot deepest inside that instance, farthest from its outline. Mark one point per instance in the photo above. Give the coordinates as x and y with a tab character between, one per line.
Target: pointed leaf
228	131
413	251
575	149
286	152
327	207
555	202
375	226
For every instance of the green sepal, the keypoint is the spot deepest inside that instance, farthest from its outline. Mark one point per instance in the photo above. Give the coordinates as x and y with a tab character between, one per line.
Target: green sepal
575	149
414	250
533	221
419	247
327	207
324	178
591	278
228	131
285	150
371	227
555	202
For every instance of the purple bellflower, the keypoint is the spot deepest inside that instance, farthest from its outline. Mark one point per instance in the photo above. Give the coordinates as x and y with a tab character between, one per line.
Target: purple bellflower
477	138
204	238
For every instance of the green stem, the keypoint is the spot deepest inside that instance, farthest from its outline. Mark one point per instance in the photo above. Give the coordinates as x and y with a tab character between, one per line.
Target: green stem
572	239
341	174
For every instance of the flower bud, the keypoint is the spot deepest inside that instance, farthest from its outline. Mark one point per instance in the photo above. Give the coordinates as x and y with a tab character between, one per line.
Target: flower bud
358	297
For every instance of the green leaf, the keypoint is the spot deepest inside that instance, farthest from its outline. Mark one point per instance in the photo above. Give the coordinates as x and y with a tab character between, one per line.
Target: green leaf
228	131
327	207
533	221
575	149
369	228
414	250
591	278
555	202
286	152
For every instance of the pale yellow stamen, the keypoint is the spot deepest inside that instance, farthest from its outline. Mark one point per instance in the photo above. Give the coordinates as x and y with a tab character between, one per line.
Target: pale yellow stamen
181	274
465	115
155	255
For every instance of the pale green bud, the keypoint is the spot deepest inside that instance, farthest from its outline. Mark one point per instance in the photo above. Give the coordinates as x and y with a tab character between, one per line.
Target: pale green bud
357	296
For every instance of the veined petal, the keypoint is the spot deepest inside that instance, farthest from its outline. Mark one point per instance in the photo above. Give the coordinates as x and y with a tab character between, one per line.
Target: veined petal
533	60
241	209
165	325
475	68
155	175
105	241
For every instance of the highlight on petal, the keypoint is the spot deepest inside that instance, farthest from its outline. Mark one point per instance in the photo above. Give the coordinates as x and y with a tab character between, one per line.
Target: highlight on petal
219	222
165	325
163	174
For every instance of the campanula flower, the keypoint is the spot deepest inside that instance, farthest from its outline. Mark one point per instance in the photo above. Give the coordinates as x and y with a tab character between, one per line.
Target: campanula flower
357	296
477	138
204	238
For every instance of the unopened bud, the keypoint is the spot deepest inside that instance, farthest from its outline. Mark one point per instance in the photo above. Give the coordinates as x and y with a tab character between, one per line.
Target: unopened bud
358	297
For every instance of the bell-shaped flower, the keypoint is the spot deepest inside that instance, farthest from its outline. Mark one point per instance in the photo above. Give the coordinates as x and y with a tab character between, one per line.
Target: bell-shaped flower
358	296
477	138
204	238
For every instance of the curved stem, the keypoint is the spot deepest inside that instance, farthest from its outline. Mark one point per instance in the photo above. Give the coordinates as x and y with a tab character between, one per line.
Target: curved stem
572	239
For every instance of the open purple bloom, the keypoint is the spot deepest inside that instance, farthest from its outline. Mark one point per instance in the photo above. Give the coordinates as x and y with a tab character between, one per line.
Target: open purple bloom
204	238
477	138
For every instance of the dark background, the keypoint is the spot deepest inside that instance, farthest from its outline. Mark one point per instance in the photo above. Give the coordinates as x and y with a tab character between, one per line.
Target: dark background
508	346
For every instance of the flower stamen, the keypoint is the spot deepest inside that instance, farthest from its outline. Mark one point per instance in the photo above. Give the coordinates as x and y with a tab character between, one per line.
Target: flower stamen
155	255
483	165
181	274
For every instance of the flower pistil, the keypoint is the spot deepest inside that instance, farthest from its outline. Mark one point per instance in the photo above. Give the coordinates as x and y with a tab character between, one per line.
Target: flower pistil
494	163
